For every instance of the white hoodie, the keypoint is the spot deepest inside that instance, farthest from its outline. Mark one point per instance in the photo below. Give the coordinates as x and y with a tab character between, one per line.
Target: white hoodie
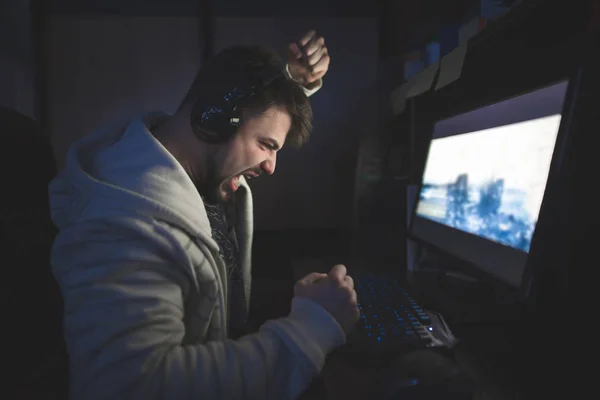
145	290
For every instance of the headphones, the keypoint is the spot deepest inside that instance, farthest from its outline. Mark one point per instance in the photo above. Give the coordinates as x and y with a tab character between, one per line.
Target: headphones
216	115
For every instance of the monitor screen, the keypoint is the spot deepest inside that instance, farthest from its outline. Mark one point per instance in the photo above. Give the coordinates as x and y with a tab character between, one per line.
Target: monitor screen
484	181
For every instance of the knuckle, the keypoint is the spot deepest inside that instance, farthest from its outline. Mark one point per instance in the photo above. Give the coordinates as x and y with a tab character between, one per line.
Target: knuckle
337	283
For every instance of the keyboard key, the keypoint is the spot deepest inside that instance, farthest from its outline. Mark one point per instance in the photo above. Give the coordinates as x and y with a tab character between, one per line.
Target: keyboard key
388	312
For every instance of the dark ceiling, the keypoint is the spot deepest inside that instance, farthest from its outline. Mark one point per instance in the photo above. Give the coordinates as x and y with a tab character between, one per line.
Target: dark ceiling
221	8
403	23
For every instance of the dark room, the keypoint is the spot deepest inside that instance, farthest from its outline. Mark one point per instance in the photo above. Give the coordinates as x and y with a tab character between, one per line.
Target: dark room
317	200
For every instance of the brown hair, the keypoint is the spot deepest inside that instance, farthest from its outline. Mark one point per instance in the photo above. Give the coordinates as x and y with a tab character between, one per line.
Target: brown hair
282	93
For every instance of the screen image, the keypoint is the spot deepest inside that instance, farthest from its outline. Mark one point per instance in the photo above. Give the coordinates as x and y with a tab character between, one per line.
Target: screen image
485	178
490	183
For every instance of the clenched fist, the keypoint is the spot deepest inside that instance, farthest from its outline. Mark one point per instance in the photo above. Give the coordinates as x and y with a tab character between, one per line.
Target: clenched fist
334	292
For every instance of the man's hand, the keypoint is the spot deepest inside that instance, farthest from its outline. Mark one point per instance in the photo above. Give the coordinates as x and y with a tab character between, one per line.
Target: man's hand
308	59
334	292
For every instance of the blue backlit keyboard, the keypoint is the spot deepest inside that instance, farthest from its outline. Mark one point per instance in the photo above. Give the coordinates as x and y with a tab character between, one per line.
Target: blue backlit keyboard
391	317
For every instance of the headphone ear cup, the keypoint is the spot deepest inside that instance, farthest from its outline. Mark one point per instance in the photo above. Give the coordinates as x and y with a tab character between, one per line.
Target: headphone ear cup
211	124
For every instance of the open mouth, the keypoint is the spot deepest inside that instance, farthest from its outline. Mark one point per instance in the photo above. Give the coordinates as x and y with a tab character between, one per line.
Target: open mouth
250	174
234	183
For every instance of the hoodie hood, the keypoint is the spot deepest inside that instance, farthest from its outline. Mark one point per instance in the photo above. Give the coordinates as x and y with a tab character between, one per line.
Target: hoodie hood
124	170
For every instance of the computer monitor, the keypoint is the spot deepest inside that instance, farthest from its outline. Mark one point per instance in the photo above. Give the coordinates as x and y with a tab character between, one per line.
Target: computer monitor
484	180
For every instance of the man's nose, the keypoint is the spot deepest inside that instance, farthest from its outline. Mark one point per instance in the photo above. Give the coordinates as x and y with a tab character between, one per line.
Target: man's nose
268	166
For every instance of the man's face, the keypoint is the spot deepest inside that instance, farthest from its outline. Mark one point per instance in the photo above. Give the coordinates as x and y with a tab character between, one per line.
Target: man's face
251	152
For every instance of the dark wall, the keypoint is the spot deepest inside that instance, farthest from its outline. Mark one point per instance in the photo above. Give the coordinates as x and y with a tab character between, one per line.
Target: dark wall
17	72
102	68
105	68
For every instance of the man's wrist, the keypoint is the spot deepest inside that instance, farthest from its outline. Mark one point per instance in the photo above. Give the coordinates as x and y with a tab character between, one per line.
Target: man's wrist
310	88
314	85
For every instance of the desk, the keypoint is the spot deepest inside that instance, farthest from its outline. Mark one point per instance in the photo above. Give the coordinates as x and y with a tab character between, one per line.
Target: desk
485	355
345	382
352	382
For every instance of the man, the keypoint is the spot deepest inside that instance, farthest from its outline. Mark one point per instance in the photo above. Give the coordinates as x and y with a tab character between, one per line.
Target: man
153	253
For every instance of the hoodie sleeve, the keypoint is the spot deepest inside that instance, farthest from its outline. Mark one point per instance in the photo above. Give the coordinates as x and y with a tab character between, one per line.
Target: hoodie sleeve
124	328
